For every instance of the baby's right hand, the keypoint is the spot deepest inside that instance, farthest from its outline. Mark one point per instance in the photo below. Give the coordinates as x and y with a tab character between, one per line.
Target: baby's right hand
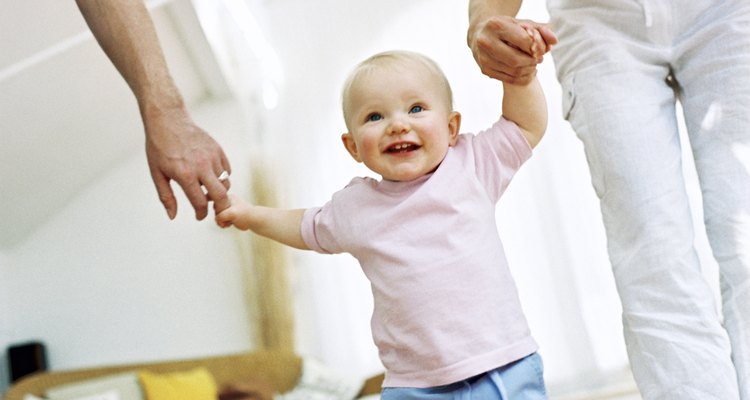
236	214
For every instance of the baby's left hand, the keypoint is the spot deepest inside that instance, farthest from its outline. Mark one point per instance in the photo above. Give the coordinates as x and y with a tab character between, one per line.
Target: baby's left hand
539	47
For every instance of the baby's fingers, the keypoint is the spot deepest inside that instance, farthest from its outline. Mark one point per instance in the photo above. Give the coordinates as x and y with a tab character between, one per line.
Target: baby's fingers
223	219
538	45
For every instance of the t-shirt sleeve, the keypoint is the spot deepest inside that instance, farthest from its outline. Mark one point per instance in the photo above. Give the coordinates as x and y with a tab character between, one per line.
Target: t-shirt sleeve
330	228
308	230
499	153
318	230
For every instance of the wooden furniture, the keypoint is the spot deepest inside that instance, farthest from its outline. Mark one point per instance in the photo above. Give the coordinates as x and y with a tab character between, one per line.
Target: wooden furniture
281	369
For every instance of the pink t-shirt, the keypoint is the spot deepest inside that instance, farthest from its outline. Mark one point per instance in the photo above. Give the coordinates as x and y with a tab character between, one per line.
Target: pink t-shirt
445	304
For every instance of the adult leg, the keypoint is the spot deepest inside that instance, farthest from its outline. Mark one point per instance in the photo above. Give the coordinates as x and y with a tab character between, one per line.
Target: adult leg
676	344
623	111
714	76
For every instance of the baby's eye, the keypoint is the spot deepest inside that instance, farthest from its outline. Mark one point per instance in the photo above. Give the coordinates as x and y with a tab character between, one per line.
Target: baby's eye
416	109
374	117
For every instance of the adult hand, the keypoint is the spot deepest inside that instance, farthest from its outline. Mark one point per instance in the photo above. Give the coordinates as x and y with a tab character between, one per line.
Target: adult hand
177	149
505	50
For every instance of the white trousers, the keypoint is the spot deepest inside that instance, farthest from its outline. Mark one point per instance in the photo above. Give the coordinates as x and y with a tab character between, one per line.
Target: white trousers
618	62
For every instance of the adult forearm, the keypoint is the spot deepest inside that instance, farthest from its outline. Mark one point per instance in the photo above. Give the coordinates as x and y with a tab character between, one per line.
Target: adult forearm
482	9
126	33
177	149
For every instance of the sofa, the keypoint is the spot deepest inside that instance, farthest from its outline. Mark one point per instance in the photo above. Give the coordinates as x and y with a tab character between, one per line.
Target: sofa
267	371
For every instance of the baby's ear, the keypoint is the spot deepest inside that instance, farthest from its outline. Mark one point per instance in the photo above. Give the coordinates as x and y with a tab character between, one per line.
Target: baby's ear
351	146
454	127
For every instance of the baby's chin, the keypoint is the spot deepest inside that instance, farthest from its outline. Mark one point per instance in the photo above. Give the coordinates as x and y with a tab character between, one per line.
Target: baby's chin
408	176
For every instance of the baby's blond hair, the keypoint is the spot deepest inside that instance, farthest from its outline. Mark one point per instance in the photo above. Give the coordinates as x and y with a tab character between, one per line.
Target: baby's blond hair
389	59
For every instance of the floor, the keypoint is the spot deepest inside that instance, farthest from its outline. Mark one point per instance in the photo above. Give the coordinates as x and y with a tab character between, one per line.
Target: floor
628	394
619	386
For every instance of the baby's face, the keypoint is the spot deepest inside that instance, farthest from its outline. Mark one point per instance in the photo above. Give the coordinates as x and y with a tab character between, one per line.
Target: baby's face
400	121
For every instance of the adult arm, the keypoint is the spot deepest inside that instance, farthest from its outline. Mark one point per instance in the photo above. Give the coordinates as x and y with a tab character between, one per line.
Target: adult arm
281	225
500	44
177	149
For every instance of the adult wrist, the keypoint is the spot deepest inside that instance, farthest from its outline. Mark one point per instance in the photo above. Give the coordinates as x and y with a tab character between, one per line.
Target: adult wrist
157	105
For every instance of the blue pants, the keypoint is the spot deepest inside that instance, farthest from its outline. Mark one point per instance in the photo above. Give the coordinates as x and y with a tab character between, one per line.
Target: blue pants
520	380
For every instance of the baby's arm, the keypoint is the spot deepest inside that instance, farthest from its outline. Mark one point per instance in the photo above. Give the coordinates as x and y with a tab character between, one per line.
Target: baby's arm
525	104
281	225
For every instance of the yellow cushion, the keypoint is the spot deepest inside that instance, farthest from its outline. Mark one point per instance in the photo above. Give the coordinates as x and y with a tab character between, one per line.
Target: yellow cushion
196	384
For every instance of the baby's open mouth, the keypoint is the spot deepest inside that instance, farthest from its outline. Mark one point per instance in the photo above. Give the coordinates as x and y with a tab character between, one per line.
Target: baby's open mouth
401	148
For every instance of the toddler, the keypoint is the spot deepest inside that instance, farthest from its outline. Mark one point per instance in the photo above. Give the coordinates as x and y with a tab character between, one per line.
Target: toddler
447	320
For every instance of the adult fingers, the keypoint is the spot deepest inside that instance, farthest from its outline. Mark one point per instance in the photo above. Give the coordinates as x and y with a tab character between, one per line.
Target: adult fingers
219	197
198	199
166	195
510	31
503	60
509	73
216	190
225	166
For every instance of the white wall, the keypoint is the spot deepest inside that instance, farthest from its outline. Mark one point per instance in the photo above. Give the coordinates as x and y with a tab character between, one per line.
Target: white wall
110	279
4	322
65	114
89	262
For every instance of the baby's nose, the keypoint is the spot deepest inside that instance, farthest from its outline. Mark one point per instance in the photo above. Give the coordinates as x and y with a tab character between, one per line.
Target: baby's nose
398	125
